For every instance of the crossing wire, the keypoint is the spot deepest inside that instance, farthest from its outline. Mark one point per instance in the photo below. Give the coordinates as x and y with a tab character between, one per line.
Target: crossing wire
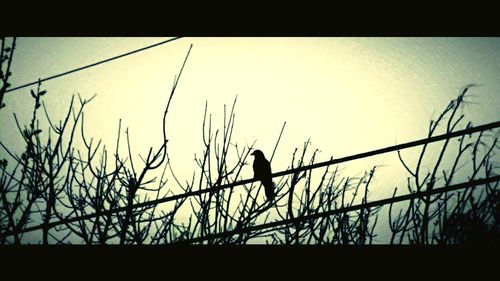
467	131
92	65
283	223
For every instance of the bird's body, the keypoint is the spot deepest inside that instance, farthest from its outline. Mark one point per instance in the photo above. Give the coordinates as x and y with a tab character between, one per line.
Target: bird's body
262	172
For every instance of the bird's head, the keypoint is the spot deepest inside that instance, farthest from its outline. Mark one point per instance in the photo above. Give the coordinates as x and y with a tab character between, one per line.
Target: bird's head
257	153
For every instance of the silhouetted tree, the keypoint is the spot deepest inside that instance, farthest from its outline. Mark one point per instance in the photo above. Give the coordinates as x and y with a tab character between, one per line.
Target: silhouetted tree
57	192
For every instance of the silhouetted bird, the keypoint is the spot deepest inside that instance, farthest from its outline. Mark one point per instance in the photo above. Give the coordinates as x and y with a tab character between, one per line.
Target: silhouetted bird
262	172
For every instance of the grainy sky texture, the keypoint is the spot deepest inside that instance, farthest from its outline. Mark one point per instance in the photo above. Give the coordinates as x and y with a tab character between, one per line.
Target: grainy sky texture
347	95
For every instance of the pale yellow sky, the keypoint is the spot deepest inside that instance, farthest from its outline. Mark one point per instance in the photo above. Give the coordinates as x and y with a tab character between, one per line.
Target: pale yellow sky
348	95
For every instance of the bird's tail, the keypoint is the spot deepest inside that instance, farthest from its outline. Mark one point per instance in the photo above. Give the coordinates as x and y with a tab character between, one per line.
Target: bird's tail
269	188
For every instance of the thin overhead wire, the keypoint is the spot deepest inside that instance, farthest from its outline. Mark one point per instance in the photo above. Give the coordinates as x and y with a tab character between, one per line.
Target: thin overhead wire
377	203
467	131
92	65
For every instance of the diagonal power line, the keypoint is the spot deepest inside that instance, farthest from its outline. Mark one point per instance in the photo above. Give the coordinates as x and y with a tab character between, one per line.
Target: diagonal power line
345	209
467	131
92	65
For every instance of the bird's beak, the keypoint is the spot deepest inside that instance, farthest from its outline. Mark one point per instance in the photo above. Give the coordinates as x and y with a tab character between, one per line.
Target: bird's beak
253	153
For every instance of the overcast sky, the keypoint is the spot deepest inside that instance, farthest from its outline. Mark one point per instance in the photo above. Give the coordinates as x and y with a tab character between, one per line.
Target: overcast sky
348	95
